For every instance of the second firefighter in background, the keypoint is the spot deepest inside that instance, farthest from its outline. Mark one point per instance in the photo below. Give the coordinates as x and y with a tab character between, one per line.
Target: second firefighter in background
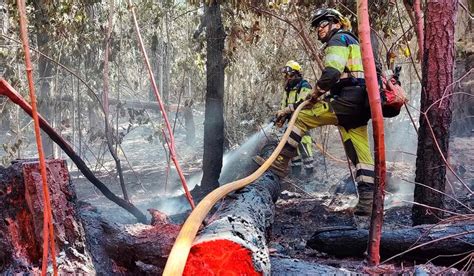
296	90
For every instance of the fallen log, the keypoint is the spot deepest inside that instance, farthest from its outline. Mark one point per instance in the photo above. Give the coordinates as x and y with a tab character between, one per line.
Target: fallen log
131	249
7	90
285	266
453	239
140	247
235	238
21	220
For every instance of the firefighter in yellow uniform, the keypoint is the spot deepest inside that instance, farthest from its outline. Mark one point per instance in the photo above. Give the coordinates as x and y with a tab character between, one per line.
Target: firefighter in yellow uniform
339	98
296	90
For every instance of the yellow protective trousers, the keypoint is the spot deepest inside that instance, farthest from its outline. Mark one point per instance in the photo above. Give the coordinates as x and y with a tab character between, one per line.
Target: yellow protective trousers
305	153
356	142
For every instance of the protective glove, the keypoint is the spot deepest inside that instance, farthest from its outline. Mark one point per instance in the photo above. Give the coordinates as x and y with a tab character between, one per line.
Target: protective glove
282	115
280	123
283	112
314	97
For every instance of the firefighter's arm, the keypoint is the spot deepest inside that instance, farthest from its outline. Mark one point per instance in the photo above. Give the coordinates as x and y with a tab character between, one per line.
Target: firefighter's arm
283	114
336	56
316	94
283	101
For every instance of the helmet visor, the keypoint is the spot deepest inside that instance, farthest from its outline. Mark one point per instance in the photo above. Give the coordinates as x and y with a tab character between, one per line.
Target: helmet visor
286	70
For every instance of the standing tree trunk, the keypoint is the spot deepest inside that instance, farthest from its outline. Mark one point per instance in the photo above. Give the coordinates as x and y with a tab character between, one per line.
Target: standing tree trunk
214	114
437	70
156	69
45	70
105	98
166	58
189	122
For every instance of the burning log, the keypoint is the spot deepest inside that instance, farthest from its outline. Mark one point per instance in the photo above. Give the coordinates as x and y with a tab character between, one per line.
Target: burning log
21	219
140	248
452	239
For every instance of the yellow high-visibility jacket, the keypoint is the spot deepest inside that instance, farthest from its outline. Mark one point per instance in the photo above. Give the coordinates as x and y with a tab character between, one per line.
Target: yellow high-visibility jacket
296	94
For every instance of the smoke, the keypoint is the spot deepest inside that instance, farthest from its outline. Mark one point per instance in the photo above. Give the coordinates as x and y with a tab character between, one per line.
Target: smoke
401	142
236	158
173	206
232	159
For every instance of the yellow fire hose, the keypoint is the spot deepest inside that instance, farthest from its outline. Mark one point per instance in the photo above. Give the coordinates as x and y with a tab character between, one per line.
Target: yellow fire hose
180	251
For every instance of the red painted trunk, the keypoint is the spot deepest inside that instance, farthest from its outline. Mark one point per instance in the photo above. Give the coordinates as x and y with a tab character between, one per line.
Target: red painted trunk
377	125
47	222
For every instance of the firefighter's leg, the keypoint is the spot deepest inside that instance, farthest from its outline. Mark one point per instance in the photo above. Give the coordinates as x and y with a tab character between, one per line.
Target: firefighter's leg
306	149
319	115
289	151
296	163
356	143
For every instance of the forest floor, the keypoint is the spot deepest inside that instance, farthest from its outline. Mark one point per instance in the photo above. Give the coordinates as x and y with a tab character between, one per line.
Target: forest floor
306	203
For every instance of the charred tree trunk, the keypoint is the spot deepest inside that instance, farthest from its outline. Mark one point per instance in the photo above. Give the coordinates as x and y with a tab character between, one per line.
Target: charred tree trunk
138	249
21	219
214	114
437	70
458	239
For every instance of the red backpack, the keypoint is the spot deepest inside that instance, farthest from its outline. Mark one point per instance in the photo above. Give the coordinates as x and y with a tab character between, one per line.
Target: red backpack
392	94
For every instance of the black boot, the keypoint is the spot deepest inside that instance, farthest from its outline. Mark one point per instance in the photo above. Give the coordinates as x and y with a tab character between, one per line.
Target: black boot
296	171
279	166
308	164
366	198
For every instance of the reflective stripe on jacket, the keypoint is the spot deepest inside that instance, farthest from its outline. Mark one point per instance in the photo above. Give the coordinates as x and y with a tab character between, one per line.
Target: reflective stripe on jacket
342	59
